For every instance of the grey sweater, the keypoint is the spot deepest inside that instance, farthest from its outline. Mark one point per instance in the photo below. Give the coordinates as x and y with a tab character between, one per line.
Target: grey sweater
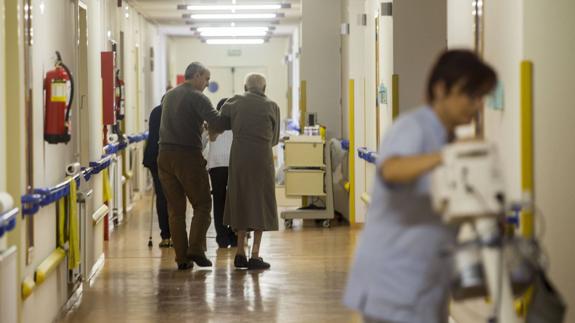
183	112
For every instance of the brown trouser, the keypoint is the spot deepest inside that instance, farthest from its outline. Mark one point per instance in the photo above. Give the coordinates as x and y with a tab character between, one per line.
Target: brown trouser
183	174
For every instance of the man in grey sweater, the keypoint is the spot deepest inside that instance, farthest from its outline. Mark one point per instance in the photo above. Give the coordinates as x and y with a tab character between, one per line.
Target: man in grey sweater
182	168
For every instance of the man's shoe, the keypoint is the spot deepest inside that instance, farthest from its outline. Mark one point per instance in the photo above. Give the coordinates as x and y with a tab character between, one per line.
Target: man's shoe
201	261
165	243
185	266
258	264
240	261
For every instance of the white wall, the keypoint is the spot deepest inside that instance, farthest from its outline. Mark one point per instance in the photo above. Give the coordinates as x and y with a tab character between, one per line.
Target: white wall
320	61
3	133
55	28
503	49
409	42
354	67
420	34
460	24
295	71
550	44
184	50
517	30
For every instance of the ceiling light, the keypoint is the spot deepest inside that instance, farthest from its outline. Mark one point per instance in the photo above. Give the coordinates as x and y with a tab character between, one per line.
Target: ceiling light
231	16
233	29
234	34
236	7
235	41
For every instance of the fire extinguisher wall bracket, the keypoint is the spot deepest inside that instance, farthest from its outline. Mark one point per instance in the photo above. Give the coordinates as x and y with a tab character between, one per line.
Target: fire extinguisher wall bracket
58	103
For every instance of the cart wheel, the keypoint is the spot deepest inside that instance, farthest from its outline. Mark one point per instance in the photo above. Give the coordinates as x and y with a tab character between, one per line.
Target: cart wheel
288	224
326	224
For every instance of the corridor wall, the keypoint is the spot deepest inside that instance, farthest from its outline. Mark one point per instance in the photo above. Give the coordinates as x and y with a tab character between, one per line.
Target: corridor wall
55	26
515	31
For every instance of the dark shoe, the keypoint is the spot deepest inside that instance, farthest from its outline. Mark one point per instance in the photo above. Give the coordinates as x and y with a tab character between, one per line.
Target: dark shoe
185	266
165	243
201	261
233	240
222	243
241	261
258	264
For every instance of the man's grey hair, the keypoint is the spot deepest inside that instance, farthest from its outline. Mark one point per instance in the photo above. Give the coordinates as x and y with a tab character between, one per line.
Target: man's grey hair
255	82
193	69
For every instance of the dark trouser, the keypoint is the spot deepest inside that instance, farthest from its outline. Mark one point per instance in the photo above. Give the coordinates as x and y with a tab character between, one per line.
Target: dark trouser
224	234
183	174
161	206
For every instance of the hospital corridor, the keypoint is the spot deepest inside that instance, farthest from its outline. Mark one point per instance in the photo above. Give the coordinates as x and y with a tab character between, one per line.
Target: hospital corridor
287	161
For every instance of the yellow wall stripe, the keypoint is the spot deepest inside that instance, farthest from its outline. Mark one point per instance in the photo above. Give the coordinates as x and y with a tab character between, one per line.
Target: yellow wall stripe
527	185
302	104
394	96
351	154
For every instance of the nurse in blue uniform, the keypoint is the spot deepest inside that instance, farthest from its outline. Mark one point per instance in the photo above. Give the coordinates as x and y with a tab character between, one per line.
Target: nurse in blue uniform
400	273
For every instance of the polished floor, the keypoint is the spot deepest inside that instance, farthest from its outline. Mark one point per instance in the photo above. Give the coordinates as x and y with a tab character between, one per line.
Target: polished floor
140	284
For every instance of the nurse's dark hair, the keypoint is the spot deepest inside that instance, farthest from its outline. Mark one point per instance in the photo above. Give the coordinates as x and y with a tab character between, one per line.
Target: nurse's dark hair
221	103
464	67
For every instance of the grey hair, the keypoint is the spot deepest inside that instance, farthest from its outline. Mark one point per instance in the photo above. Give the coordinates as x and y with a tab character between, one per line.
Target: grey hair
255	82
193	69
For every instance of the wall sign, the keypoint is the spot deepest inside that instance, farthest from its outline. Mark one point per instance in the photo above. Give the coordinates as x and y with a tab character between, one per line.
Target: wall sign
213	87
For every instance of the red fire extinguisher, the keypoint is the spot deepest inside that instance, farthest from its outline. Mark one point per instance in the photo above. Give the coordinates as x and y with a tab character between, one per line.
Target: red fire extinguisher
58	103
120	93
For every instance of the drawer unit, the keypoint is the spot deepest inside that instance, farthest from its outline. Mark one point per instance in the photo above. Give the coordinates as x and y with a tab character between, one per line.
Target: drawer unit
304	182
304	151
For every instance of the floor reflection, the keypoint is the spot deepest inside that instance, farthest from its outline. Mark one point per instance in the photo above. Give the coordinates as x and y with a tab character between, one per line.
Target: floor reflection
138	284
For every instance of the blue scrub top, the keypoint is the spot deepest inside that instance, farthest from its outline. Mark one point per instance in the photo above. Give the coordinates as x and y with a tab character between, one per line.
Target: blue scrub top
400	272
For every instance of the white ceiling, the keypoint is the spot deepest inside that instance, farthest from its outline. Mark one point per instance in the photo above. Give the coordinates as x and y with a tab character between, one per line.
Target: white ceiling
167	16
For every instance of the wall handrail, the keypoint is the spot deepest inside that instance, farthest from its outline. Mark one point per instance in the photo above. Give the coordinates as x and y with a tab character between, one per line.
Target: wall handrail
41	197
8	221
114	148
367	155
345	145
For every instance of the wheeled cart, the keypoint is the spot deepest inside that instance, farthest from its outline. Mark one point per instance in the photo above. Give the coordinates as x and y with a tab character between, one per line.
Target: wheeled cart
308	174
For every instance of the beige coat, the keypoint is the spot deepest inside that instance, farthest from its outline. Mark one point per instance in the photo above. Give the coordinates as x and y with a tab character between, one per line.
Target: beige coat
251	201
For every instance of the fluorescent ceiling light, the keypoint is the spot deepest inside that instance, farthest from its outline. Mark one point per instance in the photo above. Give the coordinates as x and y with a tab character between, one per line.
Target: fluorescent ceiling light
226	29
232	16
233	31
235	41
234	7
234	34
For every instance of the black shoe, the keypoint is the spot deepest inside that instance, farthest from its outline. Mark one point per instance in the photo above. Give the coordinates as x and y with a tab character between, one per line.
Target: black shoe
222	243
201	261
185	266
233	240
241	261
258	264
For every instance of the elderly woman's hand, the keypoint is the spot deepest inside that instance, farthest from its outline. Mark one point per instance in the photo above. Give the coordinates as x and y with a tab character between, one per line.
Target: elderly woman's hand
212	134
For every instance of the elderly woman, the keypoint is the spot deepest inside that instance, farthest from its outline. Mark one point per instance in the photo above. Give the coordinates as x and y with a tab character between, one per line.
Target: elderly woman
251	201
